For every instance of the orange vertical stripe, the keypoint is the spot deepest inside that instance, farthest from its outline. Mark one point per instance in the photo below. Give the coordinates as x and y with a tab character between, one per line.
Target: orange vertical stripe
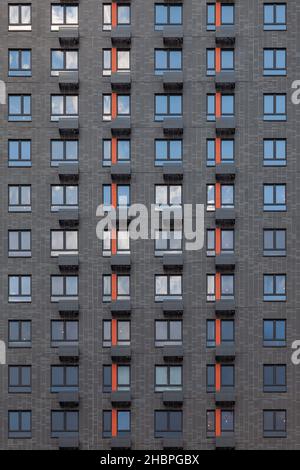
218	377
218	150
218	59
114	195
218	241
114	335
114	241
218	196
114	379
114	429
114	287
218	422
218	14
114	105
218	332
114	14
114	59
218	286
218	105
114	150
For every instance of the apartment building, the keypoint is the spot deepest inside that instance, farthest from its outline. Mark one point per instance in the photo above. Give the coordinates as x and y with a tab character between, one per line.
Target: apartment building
124	344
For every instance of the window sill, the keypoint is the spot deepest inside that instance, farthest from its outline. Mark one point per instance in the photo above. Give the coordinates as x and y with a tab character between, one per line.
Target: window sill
19	299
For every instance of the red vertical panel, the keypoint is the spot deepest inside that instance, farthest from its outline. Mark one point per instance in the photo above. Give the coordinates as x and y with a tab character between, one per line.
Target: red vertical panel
114	428
114	379
218	105
218	286
114	287
114	59
218	241
218	332
218	59
114	150
218	422
218	377
114	14
114	105
114	334
218	196
218	150
218	14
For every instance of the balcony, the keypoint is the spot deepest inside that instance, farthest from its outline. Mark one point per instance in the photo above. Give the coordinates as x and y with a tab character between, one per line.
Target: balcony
120	353
120	443
68	443
173	126
170	443
120	308
68	36
225	35
68	399
68	127
225	262
68	217
120	398
173	353
68	262
68	353
68	81
225	80
172	36
225	125
68	307
120	126
225	172
225	216
225	397
225	307
225	442
68	171
172	398
173	81
172	307
120	171
120	262
225	352
173	171
173	261
121	36
120	81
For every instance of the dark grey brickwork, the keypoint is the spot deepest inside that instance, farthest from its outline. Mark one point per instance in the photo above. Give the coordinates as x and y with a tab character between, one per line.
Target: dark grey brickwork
250	41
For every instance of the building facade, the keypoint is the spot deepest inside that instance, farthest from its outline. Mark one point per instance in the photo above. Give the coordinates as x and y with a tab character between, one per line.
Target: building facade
145	344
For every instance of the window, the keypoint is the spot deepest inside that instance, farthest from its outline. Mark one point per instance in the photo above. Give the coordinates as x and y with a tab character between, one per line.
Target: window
122	16
63	287
64	242
121	58
168	423
64	422
168	332
64	151
210	423
168	242
168	286
274	333
210	288
19	424
227	196
64	379
64	197
64	332
274	16
123	195
210	378
226	241
274	242
274	197
274	287
19	288
19	63
19	17
106	17
122	242
226	106
226	61
63	60
122	106
19	379
167	151
227	421
123	333
274	61
167	15
227	286
122	287
226	15
168	378
225	149
275	152
122	378
19	334
19	243
275	107
63	106
19	153
226	330
167	60
123	423
19	198
19	107
168	195
122	150
63	15
274	423
275	378
226	377
168	106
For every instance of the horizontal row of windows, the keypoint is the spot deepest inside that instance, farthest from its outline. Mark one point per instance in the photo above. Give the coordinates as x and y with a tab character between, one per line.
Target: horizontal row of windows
20	15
